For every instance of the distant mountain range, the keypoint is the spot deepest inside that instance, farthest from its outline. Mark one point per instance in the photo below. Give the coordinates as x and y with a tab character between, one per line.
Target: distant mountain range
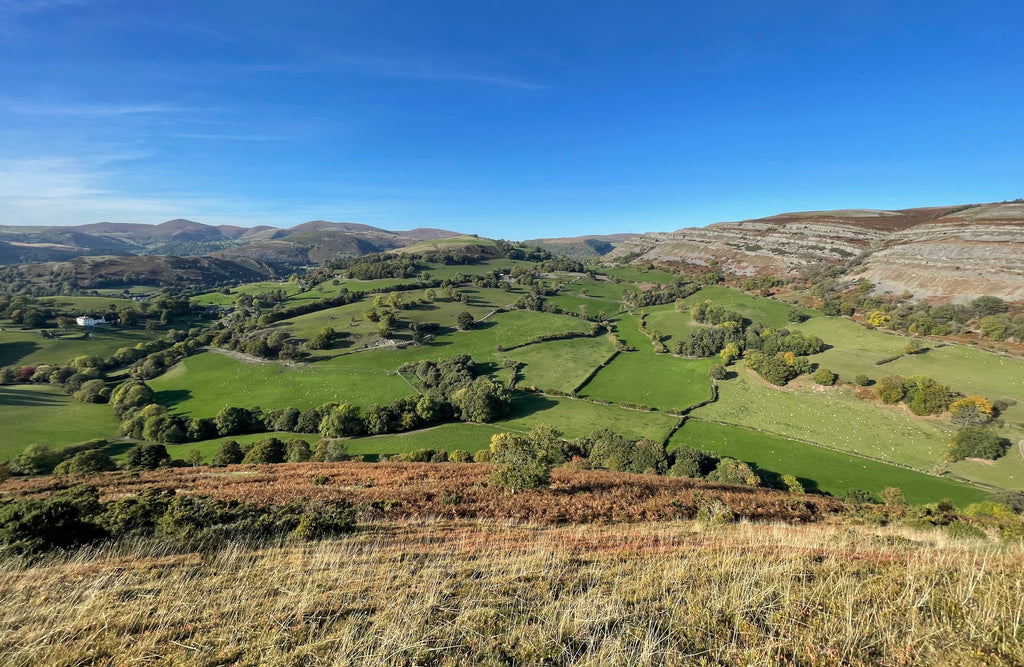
945	252
308	243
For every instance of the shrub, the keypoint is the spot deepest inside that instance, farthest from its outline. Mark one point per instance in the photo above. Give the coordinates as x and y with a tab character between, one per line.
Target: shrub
977	442
298	451
148	457
925	396
731	471
521	462
136	515
891	389
460	456
89	462
971	411
715	513
268	450
965	530
482	456
65	519
326	520
690	462
858	496
648	455
329	451
718	372
792	484
1012	499
893	495
824	376
862	380
228	453
35	460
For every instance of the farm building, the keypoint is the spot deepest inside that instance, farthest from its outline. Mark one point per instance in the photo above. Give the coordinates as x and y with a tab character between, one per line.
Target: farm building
86	321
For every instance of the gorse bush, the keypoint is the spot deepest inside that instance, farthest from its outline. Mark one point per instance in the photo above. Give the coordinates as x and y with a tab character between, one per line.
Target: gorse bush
75	516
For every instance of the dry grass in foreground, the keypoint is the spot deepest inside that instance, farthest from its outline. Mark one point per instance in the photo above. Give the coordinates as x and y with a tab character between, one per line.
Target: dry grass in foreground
478	592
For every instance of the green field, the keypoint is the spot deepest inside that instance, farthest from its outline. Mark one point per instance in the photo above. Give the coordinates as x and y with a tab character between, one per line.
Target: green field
661	381
854	348
349	318
207	448
670	322
89	304
45	415
636	274
561	364
818	468
835	417
202	385
505	328
470	437
596	289
20	347
577	417
571	304
767	311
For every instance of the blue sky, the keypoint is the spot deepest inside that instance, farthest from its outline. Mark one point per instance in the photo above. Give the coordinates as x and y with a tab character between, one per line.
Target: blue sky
508	119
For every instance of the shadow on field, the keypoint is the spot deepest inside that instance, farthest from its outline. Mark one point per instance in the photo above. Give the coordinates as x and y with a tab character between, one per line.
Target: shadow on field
531	404
117	448
11	353
774	480
12	397
486	368
480	326
172	397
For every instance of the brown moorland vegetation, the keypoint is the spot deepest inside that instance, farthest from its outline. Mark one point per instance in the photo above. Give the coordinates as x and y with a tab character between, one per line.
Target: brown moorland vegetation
396	491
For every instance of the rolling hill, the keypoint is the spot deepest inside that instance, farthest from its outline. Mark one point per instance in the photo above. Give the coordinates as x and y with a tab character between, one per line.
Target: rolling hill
308	243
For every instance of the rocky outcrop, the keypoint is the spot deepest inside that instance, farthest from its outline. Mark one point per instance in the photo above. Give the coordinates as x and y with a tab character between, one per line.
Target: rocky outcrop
951	253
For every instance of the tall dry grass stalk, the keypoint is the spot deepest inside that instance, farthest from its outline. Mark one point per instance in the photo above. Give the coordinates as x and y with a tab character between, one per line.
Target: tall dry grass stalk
493	593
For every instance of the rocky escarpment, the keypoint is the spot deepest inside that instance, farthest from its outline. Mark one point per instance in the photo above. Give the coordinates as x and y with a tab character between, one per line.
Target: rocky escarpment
953	253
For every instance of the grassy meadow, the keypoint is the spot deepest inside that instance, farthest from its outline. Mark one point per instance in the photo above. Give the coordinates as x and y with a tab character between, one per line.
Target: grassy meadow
576	417
820	469
45	415
561	364
26	347
200	386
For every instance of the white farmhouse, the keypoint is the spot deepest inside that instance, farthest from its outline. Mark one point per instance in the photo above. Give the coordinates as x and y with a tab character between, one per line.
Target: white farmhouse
86	321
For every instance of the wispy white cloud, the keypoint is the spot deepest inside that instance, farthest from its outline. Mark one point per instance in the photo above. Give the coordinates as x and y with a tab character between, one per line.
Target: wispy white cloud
90	110
63	190
394	68
229	137
10	9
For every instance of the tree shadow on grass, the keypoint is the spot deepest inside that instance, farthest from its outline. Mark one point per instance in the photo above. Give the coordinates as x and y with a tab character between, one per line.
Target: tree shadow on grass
486	368
173	397
15	398
774	480
12	353
117	448
529	404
